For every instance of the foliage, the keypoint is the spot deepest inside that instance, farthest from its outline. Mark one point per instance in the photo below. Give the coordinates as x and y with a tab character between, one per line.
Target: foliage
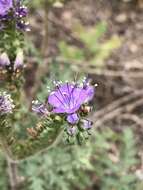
93	51
110	156
115	155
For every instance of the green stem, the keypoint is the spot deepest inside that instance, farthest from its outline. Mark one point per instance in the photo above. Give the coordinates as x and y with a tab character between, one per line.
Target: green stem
12	166
14	179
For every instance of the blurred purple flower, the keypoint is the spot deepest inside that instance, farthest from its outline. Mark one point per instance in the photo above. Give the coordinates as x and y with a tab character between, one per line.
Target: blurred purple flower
21	11
22	25
39	108
5	5
18	13
4	60
6	104
68	98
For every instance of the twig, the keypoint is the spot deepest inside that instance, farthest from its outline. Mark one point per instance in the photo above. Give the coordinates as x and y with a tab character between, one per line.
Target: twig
92	69
111	112
118	103
133	118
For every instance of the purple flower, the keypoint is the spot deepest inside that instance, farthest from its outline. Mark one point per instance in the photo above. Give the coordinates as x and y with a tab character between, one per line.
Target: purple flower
4	60
39	108
5	5
6	104
68	98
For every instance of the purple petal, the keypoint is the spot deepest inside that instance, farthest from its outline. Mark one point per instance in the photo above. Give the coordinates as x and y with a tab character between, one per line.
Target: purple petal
73	118
79	96
90	91
55	99
60	95
64	110
66	88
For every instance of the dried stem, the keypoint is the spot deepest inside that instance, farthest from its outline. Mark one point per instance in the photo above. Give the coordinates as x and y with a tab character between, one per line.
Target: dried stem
122	106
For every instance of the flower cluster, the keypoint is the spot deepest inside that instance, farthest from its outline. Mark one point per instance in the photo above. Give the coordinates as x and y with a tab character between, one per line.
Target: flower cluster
70	101
16	65
11	13
6	103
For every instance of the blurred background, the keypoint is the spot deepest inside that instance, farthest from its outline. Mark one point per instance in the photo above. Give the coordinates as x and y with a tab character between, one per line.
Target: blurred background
102	39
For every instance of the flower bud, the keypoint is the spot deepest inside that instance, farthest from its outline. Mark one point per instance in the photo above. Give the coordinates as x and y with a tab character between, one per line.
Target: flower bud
87	124
72	130
18	63
4	60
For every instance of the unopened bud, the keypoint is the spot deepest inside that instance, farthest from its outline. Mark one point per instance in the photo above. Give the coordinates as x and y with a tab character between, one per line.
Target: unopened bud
18	63
4	60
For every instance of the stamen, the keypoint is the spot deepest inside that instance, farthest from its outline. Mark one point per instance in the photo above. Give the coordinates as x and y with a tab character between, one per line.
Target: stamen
74	87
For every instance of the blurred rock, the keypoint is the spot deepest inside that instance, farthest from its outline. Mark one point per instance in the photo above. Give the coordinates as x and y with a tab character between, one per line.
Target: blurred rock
140	3
133	48
121	18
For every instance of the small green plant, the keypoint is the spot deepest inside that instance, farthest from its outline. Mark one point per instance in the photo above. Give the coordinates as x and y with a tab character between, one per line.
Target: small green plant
115	156
94	52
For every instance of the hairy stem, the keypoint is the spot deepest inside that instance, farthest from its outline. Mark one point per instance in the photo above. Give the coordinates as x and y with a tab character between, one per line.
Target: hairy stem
12	166
14	179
